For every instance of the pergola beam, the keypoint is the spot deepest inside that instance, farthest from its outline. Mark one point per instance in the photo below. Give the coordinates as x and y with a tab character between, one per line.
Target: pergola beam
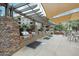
26	9
36	10
20	5
29	17
34	14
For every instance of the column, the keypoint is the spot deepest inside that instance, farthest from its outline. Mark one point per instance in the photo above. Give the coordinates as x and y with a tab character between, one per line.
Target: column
36	31
7	9
11	12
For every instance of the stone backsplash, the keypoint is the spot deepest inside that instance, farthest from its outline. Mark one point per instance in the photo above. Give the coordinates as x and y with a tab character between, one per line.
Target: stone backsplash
10	40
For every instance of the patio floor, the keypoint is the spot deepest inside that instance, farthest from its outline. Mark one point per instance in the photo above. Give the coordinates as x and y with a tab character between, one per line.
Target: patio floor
58	45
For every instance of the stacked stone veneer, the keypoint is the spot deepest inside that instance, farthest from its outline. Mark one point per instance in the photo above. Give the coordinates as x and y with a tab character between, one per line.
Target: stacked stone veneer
10	40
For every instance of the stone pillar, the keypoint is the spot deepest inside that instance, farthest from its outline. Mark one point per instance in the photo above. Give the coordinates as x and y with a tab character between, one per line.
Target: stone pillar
10	40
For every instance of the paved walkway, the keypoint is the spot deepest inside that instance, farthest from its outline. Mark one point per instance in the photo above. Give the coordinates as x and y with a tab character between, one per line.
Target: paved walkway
58	45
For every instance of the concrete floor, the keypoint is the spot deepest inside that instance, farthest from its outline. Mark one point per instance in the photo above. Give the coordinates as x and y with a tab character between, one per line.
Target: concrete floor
58	45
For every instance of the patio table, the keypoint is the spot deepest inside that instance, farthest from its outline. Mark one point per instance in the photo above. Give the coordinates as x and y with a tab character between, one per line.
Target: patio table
74	36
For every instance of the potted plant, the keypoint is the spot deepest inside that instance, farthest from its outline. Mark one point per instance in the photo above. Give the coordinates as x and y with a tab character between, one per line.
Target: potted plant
23	29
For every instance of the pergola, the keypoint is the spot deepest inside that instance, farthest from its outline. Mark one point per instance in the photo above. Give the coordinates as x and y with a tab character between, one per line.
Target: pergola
28	10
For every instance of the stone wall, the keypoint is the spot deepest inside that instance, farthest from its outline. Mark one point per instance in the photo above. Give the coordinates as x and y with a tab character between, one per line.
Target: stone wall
10	40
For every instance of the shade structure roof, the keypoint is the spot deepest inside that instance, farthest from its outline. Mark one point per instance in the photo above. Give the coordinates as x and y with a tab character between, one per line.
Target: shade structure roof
54	9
